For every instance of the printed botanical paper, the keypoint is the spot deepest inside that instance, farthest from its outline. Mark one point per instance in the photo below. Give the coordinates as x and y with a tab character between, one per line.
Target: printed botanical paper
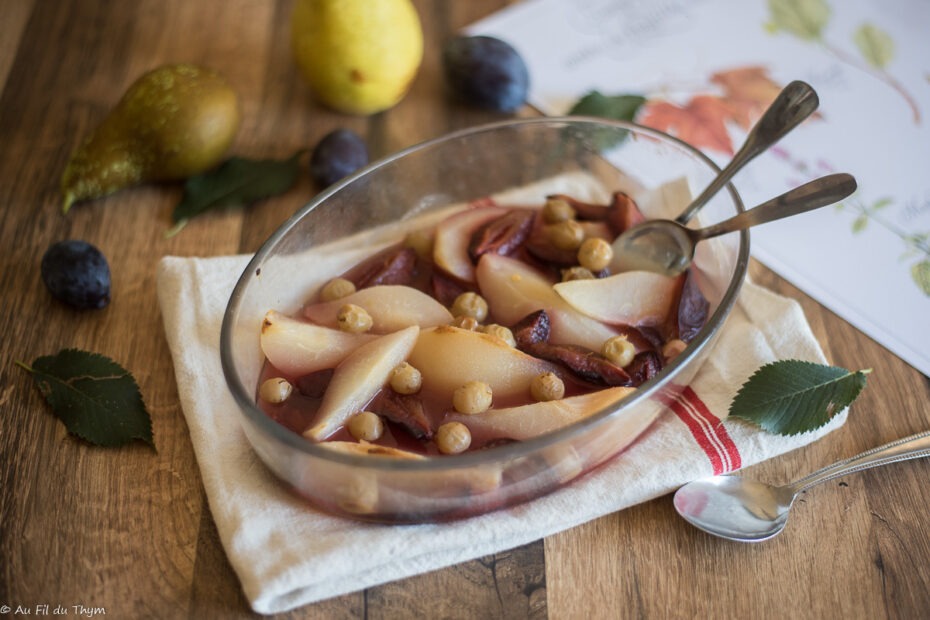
708	68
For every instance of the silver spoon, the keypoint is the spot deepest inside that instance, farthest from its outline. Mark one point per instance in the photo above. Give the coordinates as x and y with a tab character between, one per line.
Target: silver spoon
744	510
794	103
665	246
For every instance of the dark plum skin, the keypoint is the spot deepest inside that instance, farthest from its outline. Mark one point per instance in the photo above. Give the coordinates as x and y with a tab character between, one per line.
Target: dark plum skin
693	309
77	273
337	155
485	72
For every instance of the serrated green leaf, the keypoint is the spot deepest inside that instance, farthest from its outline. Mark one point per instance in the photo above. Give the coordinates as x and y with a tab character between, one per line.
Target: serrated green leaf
804	19
920	273
789	397
875	45
237	182
97	399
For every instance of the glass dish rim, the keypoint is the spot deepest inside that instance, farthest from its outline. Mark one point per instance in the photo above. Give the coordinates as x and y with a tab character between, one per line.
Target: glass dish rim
499	454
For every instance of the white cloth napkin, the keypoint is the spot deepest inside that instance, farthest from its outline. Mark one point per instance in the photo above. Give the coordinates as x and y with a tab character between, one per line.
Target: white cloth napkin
287	554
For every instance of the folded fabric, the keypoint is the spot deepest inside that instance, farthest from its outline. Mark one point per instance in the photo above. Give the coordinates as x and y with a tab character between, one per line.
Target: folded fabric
287	554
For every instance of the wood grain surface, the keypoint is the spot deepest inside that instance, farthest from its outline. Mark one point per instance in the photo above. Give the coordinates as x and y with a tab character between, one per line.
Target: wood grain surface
128	530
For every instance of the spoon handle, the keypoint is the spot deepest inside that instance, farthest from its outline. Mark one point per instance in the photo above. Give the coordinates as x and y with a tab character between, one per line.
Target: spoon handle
795	103
913	447
812	195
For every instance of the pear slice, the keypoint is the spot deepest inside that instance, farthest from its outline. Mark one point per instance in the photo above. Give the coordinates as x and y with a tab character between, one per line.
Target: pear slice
532	420
629	298
513	290
448	357
358	378
369	449
449	482
391	307
356	490
299	348
453	234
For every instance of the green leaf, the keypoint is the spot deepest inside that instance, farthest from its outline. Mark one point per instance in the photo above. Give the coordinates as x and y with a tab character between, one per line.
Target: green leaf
97	399
920	273
615	107
882	203
237	182
860	223
792	396
918	242
804	19
875	45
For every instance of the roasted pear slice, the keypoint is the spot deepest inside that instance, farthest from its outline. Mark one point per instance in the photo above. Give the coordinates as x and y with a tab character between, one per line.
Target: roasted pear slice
298	348
448	357
534	419
358	378
391	307
631	298
513	290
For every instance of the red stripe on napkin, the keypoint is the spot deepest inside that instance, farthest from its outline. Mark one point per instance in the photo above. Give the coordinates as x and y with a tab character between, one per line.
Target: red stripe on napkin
708	432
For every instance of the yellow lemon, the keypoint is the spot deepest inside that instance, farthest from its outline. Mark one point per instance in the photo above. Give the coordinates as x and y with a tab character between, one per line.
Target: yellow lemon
359	56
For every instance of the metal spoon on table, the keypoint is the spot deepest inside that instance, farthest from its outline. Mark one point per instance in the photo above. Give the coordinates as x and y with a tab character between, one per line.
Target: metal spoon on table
667	247
794	103
741	509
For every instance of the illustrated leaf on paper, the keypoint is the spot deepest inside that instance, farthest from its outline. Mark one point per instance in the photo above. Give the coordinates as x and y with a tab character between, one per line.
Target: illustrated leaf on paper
237	182
804	19
748	91
701	122
705	120
875	45
882	203
917	244
97	399
920	273
867	212
789	397
860	223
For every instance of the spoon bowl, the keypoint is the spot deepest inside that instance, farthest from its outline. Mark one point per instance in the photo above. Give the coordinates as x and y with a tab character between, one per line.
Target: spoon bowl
745	510
667	247
735	508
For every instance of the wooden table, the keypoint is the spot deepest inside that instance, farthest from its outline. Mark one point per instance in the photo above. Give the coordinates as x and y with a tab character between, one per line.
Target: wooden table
129	531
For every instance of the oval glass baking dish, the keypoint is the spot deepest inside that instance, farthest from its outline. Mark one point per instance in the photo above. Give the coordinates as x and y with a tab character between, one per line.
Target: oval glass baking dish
373	206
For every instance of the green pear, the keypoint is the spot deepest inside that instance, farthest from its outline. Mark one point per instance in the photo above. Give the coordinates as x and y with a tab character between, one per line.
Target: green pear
173	122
